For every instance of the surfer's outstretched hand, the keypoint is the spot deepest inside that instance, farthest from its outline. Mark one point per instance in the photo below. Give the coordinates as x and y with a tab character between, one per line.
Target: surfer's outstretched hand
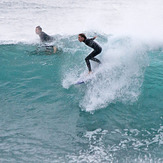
95	37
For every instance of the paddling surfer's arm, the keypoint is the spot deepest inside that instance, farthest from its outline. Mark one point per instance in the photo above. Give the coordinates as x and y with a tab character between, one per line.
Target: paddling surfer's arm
93	38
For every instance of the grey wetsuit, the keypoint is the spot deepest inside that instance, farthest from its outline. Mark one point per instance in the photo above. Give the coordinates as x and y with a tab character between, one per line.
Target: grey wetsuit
45	38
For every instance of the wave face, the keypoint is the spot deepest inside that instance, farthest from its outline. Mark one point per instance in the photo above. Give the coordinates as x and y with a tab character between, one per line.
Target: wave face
114	117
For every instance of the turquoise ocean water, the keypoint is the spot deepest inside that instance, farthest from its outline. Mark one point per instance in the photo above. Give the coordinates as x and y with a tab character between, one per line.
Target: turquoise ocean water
115	117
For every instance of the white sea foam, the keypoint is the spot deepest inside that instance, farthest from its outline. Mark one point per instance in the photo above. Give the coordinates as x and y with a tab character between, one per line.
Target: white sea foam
18	19
120	76
97	151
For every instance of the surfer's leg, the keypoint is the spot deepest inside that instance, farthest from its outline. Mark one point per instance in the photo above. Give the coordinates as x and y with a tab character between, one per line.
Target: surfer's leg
54	49
94	53
96	60
88	63
90	56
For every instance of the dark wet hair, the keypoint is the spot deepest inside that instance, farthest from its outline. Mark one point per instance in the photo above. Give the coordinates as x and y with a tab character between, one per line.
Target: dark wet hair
39	28
83	35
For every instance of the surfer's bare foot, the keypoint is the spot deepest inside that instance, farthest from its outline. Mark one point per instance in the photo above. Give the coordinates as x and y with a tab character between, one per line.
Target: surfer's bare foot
90	72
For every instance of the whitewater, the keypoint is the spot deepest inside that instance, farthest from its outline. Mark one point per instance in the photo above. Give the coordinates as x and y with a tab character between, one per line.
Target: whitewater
117	116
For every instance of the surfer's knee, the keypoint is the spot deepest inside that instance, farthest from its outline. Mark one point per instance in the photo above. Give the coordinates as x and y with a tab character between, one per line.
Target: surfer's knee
86	59
100	49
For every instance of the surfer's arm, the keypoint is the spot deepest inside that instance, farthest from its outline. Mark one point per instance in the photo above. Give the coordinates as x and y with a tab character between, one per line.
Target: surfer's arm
93	38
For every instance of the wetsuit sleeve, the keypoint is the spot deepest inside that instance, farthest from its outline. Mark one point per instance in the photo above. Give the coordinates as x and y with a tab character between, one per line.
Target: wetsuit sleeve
44	37
92	38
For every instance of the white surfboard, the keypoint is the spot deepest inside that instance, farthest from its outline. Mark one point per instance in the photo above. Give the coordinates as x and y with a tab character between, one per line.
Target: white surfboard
84	79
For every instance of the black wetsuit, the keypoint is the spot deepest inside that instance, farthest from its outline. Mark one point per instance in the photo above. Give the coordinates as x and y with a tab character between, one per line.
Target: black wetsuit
45	38
97	50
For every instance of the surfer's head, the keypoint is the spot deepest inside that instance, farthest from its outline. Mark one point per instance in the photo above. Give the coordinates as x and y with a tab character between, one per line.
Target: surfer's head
82	37
38	30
